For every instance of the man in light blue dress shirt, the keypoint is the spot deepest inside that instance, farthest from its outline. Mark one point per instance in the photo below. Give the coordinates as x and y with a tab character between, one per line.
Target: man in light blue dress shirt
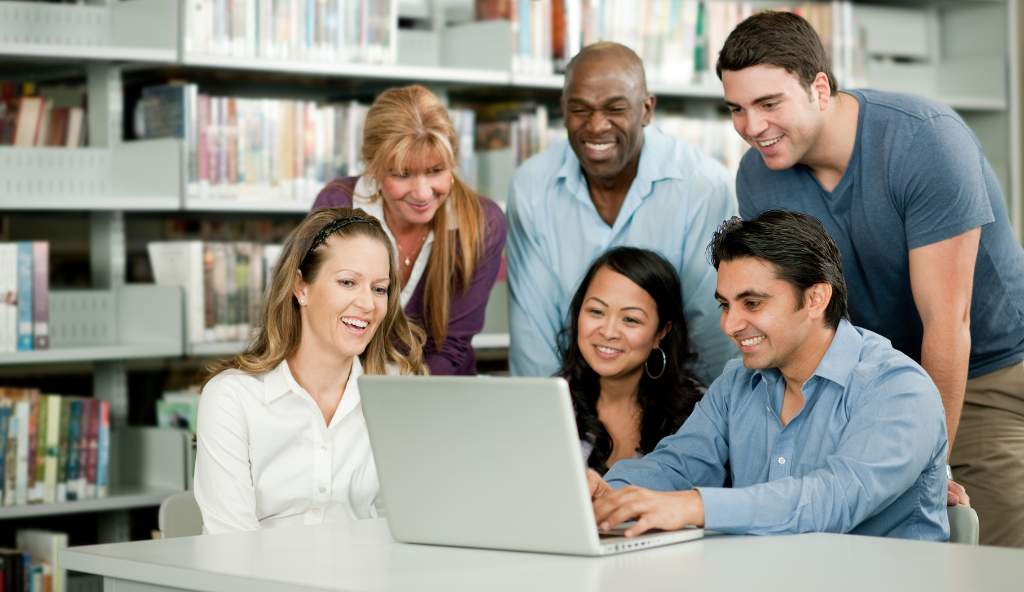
822	427
616	181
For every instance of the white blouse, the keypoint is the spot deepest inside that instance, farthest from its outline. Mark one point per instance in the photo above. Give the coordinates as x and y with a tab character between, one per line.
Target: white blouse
266	459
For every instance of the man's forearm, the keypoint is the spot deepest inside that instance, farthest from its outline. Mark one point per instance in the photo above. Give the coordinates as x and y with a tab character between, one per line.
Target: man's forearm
945	353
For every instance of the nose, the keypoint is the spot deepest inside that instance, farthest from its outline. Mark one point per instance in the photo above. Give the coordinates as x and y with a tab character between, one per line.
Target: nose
597	122
732	321
755	124
609	328
364	298
422	190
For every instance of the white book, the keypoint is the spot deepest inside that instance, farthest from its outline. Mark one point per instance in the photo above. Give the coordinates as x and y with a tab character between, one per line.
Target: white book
180	263
22	410
8	297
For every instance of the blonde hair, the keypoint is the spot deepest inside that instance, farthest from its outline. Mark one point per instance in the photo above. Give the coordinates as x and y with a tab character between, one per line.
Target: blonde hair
401	125
396	341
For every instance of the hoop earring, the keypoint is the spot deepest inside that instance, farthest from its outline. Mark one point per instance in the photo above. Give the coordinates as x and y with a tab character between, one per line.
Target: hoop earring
664	365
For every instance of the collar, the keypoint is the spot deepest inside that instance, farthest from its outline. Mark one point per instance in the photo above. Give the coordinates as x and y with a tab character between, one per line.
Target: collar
658	162
280	381
836	365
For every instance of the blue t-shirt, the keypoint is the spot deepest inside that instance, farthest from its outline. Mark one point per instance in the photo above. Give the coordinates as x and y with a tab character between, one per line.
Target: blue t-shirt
917	176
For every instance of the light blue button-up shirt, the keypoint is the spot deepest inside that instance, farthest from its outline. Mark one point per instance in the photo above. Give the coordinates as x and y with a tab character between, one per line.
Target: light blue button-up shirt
677	200
865	455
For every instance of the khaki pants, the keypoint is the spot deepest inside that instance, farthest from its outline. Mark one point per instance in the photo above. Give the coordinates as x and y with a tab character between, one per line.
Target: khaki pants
988	454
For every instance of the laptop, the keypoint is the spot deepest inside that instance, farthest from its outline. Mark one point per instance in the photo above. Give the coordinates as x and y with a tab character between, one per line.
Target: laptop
487	462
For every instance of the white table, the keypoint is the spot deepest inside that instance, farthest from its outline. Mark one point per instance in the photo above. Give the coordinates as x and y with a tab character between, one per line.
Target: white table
362	556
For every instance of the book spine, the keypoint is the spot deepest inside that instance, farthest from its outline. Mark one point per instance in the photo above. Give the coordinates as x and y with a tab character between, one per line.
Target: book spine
41	294
23	412
5	422
42	407
53	407
62	455
33	437
24	275
103	450
92	445
74	445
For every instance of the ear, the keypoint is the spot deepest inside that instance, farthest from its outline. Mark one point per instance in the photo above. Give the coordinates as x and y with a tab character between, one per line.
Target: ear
300	289
817	298
649	104
661	334
821	91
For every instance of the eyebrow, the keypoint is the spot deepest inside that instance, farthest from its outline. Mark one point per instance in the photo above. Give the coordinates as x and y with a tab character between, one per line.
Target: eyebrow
637	308
604	102
761	99
749	293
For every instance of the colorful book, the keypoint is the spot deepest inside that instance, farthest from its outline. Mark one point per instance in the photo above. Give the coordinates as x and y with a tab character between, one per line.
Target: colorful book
24	302
103	450
74	448
41	294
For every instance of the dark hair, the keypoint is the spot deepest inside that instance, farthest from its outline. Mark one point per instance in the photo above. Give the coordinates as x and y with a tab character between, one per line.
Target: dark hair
664	402
796	244
780	39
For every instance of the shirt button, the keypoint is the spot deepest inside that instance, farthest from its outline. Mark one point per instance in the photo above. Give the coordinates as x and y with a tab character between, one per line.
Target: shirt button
782	460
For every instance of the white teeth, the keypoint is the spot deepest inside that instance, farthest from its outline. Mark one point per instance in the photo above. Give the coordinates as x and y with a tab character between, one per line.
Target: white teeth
767	143
599	147
607	350
358	323
751	341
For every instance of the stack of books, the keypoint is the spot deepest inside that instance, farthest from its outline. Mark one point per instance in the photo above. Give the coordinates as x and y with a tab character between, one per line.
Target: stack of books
48	117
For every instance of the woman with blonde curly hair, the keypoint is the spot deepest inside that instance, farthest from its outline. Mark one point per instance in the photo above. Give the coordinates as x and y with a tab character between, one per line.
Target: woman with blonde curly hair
281	435
449	239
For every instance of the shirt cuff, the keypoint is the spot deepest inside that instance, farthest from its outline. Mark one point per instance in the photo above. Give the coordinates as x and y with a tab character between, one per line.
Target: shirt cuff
727	510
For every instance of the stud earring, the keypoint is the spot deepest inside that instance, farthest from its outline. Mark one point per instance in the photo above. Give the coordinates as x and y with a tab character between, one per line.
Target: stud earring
302	302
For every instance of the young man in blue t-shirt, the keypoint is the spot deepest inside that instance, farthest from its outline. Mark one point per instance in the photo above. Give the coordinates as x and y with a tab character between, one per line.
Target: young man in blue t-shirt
903	187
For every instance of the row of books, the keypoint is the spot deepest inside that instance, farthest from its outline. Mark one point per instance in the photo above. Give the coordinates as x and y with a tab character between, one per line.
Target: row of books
34	565
224	284
28	119
24	296
261	149
678	40
54	448
322	30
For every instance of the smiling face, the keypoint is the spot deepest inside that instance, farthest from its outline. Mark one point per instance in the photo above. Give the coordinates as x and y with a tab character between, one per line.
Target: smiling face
775	114
618	325
413	194
764	315
348	297
606	108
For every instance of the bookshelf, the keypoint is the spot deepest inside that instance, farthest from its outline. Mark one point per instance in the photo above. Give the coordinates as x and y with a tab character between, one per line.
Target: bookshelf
146	466
964	53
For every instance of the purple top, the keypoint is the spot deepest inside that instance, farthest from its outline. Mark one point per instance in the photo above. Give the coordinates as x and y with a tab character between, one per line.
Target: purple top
466	314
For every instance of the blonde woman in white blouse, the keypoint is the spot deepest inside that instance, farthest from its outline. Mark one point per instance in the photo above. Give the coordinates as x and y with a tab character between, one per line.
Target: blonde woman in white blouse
281	435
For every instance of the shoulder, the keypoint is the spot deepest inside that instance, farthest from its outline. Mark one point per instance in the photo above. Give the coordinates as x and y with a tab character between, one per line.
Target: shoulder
901	106
540	170
337	193
494	217
883	373
231	388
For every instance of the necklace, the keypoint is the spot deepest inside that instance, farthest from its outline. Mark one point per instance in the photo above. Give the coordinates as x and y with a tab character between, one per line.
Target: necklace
406	256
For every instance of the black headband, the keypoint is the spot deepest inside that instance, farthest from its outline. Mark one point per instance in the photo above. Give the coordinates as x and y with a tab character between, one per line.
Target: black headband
337	224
